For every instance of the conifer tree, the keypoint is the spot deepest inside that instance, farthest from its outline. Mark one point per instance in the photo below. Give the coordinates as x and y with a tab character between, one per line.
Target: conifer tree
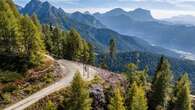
13	8
85	54
33	43
91	55
57	38
36	21
47	37
117	101
74	45
138	76
183	98
78	97
137	98
161	86
112	48
10	38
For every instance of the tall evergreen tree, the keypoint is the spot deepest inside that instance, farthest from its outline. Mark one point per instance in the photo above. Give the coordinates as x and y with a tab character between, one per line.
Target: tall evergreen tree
10	38
13	8
78	97
32	41
57	38
85	54
74	45
161	86
47	37
112	48
91	55
117	101
137	98
183	98
36	21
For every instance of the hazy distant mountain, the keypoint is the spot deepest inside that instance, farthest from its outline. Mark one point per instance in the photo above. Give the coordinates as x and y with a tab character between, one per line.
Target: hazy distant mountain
182	19
84	23
86	19
137	14
168	35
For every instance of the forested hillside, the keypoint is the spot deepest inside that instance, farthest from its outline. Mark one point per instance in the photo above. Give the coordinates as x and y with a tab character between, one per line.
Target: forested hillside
28	63
25	46
145	60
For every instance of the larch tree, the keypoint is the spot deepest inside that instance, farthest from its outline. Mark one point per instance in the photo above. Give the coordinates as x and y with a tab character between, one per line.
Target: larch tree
161	86
112	48
32	41
47	37
137	98
50	106
91	55
57	38
85	54
78	97
74	46
10	38
117	101
183	98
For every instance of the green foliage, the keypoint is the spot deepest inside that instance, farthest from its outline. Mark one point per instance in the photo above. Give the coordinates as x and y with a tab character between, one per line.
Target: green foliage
8	76
183	98
9	30
161	85
132	67
138	76
97	80
75	45
48	38
117	101
13	8
112	48
58	42
91	59
6	98
137	98
67	45
9	88
50	106
32	41
86	55
78	97
19	36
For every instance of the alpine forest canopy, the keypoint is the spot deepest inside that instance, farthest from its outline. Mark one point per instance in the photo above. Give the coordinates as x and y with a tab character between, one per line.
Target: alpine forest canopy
19	35
23	37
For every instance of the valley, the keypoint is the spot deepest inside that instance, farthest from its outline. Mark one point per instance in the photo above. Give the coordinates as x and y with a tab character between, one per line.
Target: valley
52	58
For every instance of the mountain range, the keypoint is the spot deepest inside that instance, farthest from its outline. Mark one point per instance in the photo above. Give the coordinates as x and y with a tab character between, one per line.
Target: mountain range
91	29
182	20
128	29
167	35
138	14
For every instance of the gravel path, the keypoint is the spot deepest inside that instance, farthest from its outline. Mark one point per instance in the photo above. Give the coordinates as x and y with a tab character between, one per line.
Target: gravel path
68	69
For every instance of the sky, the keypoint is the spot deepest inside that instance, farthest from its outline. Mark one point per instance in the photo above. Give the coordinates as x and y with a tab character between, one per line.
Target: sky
159	8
